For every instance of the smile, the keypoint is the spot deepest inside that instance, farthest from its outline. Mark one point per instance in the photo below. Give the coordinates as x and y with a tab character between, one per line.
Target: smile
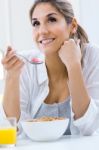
47	41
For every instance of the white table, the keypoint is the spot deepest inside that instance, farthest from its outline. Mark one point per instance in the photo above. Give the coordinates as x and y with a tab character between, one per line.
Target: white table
65	143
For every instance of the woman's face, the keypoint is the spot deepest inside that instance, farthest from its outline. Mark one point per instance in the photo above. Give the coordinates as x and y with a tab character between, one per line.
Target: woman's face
50	29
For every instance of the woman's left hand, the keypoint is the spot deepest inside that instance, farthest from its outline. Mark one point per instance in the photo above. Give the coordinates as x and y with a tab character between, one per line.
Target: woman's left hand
70	53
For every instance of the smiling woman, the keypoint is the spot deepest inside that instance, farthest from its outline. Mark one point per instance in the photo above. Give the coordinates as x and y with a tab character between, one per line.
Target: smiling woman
66	84
53	21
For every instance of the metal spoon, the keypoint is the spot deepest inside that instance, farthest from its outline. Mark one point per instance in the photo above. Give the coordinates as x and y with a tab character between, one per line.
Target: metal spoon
35	61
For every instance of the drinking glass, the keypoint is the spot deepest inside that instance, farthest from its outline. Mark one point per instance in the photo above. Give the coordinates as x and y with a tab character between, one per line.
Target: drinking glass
8	132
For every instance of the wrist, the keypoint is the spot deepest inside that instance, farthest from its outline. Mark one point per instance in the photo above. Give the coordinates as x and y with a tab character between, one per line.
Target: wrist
9	76
73	65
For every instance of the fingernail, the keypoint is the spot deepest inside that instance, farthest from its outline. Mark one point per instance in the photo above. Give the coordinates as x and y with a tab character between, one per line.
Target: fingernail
9	48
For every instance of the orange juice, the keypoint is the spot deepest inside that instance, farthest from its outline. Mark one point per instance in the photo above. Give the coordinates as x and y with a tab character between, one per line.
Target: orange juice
8	135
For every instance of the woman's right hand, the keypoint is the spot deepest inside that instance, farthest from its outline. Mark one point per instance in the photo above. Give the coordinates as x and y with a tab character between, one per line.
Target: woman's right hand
12	64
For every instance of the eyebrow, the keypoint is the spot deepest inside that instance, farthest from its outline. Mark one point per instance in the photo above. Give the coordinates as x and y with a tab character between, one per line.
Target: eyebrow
46	16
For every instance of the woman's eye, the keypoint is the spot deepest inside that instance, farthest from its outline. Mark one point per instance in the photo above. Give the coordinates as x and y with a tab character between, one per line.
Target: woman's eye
35	23
52	19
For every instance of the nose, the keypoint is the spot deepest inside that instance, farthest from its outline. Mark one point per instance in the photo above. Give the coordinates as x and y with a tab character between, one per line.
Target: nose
43	29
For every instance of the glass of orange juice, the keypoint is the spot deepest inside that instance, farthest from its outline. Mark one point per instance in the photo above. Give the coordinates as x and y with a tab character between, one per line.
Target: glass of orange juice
8	132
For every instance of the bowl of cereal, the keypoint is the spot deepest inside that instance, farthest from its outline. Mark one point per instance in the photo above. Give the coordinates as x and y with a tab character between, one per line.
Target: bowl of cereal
45	128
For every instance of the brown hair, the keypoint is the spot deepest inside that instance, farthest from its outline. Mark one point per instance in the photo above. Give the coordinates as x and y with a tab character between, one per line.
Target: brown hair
65	8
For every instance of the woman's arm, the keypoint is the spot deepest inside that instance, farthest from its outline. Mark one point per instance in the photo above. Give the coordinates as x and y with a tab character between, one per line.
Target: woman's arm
70	55
11	102
78	90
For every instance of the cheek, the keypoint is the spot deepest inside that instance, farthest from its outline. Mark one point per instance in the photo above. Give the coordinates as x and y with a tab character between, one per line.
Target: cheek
65	33
34	35
62	32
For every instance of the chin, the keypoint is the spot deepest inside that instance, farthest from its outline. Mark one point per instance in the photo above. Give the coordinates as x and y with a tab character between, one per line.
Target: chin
49	51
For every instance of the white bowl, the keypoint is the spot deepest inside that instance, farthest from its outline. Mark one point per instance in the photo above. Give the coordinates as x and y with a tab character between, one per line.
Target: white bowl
46	130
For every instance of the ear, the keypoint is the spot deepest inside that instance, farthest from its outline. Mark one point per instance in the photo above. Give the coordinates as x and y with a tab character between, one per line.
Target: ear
74	26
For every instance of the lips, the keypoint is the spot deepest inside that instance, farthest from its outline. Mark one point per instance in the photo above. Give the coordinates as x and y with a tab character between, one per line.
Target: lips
47	41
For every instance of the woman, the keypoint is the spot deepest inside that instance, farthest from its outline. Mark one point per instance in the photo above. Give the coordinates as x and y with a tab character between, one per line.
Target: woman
66	85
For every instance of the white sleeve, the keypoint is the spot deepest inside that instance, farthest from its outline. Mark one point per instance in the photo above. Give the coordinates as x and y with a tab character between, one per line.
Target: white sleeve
90	121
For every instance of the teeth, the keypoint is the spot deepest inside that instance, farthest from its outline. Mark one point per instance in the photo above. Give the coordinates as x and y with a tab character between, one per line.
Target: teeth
46	41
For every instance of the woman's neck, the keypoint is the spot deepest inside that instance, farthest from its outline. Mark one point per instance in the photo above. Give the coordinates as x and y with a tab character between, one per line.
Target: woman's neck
56	69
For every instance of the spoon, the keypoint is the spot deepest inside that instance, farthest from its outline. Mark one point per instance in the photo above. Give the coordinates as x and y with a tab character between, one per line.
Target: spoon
35	61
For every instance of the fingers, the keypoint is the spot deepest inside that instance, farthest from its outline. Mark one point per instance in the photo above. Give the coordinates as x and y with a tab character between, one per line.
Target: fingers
9	49
13	62
10	60
8	56
73	41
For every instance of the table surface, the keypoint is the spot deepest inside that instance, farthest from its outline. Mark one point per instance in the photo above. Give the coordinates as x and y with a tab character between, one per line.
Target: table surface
64	143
